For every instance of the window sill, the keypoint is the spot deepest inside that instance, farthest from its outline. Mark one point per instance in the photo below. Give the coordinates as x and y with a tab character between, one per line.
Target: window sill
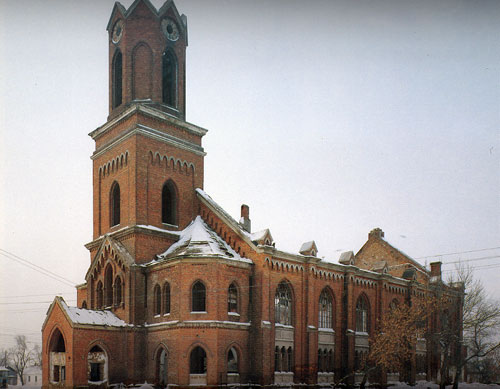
170	225
233	314
166	314
199	312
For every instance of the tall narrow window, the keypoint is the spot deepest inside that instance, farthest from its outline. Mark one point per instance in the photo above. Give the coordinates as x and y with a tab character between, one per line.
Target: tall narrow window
157	297
118	291
169	78
325	310
115	204
166	297
283	304
198	297
198	361
232	299
277	365
232	361
99	293
117	79
362	315
108	286
168	203
161	367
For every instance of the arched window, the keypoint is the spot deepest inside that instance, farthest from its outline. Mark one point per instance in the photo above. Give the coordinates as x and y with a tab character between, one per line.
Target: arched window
394	304
325	310
232	361
169	78
284	363
289	359
232	299
161	367
118	291
115	204
320	361
331	361
277	364
198	361
57	355
166	297
99	293
362	315
84	304
283	304
168	203
97	365
198	297
117	79
108	286
157	302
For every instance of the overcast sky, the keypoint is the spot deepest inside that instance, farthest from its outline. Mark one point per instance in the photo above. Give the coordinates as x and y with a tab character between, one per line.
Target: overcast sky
328	118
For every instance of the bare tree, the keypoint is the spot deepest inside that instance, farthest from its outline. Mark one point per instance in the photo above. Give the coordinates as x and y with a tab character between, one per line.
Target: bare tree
37	355
392	348
20	356
481	321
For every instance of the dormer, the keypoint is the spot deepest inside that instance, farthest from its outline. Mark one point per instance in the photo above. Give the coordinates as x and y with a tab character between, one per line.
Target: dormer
263	238
309	249
347	258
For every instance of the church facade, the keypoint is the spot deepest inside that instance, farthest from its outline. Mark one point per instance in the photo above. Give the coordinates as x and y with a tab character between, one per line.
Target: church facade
177	290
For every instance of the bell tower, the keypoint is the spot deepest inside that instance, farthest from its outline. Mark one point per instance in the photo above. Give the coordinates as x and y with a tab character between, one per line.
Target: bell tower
147	57
148	160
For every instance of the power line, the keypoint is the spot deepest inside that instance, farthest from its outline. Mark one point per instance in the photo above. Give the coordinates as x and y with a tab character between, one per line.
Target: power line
459	252
35	295
37	268
471	260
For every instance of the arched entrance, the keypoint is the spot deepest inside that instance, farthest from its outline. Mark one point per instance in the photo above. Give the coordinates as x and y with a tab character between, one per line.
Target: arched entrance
97	365
57	358
161	367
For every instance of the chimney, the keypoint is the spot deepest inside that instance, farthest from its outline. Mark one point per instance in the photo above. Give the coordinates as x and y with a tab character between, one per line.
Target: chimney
436	269
245	218
376	233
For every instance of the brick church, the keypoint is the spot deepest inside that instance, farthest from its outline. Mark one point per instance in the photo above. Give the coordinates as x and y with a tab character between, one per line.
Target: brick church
180	292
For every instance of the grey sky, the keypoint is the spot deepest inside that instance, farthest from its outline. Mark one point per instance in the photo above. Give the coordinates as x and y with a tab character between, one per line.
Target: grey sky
328	118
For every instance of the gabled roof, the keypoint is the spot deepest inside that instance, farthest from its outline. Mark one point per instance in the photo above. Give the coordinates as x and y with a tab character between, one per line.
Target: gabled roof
89	316
390	247
219	211
199	240
85	316
346	258
115	247
125	13
308	247
260	236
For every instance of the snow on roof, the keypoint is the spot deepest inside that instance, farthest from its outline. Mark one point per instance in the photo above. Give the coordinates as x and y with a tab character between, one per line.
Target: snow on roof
199	240
260	235
308	246
89	316
346	257
3	368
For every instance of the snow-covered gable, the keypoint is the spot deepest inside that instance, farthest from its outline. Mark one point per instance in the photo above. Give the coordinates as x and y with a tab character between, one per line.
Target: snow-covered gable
309	248
263	237
116	249
199	240
89	316
347	258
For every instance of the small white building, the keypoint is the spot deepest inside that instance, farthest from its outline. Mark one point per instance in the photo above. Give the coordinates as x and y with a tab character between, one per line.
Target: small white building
33	376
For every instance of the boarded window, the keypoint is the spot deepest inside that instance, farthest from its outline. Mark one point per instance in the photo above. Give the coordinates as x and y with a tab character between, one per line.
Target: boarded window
283	304
232	299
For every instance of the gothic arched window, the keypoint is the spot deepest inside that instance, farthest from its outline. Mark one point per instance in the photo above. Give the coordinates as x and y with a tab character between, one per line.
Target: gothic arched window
115	204
157	302
118	291
325	319
283	304
198	297
166	298
198	361
362	314
232	299
232	361
168	203
99	293
117	79
108	286
161	367
169	78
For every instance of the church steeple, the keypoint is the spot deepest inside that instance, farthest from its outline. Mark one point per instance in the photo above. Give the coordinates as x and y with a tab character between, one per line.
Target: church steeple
148	160
147	57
